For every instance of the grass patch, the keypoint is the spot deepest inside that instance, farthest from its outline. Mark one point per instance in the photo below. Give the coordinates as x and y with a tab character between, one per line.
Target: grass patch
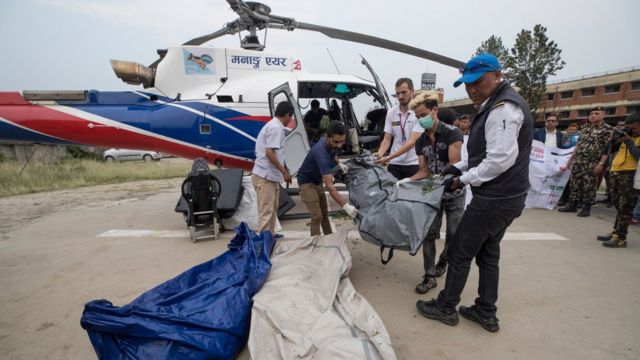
72	173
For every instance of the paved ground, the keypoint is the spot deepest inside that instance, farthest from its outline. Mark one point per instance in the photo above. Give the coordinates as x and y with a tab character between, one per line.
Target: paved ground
559	299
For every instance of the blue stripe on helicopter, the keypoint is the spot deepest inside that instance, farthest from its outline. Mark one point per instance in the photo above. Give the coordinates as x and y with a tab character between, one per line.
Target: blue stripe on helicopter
16	133
174	122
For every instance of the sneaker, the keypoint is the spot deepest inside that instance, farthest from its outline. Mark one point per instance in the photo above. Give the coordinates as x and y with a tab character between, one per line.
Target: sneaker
635	221
278	236
429	310
441	268
427	284
607	237
472	313
615	242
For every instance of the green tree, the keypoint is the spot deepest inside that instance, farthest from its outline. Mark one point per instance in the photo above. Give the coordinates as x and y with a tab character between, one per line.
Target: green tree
494	45
533	58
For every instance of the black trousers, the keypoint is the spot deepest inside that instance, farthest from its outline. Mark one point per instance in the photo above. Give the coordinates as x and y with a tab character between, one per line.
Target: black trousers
402	171
479	234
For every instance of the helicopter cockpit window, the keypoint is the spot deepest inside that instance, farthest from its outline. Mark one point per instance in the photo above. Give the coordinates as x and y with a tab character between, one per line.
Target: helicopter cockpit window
358	106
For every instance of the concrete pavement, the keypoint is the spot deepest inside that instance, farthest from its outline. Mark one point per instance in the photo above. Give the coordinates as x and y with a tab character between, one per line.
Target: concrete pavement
559	299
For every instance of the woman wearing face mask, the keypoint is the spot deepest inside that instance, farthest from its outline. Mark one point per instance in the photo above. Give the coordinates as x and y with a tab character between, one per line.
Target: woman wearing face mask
437	148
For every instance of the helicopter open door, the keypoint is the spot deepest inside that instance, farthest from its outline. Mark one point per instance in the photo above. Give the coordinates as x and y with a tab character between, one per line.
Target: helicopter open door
296	144
381	90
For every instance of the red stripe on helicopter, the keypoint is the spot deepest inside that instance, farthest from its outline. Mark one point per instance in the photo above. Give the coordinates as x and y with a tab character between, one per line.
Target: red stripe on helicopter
75	129
12	98
251	118
264	119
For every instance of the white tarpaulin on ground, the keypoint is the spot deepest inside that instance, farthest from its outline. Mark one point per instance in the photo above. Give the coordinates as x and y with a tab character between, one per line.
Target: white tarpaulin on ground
546	178
247	211
308	308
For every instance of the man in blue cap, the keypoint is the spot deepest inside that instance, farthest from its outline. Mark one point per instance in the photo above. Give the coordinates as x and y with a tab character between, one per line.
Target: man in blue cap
498	171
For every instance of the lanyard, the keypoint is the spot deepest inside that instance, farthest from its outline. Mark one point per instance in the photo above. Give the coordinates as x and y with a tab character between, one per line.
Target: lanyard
404	137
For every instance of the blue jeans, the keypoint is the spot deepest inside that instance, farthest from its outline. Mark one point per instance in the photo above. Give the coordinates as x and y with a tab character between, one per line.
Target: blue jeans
636	211
453	207
479	234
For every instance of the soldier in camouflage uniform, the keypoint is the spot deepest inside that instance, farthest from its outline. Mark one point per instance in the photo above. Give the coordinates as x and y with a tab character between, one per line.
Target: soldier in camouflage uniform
584	162
623	169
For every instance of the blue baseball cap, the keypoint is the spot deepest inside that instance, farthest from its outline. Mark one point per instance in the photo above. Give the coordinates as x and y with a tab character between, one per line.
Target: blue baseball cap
476	67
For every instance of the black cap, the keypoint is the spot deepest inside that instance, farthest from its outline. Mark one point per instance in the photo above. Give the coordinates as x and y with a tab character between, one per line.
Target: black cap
597	108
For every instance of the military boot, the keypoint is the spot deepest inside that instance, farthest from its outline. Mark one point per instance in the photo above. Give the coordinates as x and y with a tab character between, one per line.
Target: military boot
570	207
427	284
617	241
607	237
586	210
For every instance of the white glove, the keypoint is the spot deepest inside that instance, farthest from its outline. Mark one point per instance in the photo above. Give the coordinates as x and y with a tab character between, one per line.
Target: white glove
350	210
402	181
343	167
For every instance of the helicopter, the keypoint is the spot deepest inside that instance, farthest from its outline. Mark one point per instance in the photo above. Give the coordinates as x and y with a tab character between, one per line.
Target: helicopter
200	101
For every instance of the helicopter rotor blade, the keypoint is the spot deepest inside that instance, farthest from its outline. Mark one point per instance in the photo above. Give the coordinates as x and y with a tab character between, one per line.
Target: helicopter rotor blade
253	16
226	30
375	41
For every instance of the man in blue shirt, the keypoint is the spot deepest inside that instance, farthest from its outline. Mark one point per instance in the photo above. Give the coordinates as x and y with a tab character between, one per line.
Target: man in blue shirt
316	170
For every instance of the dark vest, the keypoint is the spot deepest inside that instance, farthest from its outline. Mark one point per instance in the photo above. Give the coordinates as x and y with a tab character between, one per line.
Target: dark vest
515	181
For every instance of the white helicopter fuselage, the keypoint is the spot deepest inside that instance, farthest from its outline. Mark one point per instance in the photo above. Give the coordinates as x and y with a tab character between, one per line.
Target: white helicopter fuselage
203	102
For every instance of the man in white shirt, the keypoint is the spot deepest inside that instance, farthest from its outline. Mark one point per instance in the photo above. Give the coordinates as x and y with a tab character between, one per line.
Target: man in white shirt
401	125
268	169
549	135
497	169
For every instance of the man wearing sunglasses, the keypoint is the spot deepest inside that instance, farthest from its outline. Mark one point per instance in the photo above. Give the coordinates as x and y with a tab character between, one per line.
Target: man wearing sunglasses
497	169
549	135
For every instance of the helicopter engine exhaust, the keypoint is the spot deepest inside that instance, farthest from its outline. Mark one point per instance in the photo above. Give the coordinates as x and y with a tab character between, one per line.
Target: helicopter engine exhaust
133	73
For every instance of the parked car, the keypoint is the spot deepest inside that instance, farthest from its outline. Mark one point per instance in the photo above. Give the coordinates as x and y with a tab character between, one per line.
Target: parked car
128	154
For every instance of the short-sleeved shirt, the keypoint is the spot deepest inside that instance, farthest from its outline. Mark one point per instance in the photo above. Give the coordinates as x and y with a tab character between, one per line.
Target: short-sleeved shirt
318	162
271	136
400	126
437	155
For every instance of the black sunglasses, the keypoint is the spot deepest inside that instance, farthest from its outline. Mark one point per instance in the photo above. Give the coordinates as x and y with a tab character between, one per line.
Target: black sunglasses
476	66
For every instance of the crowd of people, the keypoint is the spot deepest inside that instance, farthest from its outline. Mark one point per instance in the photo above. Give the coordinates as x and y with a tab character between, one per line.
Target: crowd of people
421	139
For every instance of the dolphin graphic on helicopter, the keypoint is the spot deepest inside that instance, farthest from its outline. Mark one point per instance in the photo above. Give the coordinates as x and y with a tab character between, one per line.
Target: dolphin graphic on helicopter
201	101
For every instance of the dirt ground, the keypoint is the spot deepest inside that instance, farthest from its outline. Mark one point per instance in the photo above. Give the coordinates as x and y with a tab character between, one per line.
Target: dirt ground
565	299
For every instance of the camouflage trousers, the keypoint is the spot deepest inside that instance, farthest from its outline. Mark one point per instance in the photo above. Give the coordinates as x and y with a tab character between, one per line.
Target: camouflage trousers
624	197
583	183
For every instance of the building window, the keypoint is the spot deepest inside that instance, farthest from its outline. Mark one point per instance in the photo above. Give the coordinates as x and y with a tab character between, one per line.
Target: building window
583	113
610	89
550	96
609	111
564	114
205	129
566	94
633	109
588	91
635	85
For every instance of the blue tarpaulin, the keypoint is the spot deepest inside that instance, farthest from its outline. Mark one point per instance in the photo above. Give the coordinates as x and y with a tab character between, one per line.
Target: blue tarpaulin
203	313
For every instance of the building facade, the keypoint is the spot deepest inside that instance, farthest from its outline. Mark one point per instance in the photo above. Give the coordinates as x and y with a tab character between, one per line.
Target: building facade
618	92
